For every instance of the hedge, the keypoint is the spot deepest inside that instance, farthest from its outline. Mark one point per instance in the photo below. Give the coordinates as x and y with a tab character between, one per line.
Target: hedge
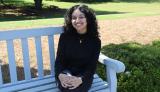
142	63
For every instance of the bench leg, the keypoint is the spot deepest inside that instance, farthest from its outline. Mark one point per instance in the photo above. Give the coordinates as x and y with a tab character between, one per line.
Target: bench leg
112	79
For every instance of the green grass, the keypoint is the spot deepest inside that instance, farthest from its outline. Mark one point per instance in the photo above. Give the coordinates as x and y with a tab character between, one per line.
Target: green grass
104	11
31	23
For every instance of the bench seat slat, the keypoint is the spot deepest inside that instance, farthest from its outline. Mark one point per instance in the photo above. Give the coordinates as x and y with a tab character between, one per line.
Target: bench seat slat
48	85
27	84
57	90
51	86
41	87
52	90
93	89
98	84
102	90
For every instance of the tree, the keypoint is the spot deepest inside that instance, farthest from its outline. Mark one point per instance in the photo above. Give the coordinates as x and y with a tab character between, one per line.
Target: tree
38	4
2	2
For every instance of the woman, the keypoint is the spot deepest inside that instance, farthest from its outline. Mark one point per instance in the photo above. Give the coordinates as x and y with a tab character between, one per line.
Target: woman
78	50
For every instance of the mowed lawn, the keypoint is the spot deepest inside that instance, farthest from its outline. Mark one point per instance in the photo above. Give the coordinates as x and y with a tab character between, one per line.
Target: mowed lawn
104	11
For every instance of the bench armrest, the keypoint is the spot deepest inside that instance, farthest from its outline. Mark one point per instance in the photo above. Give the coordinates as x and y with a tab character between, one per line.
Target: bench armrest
112	67
116	65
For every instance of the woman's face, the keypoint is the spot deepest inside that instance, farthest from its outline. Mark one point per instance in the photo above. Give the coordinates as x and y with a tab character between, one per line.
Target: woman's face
79	21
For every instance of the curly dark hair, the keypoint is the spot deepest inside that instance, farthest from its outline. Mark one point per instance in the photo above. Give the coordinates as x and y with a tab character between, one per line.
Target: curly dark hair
92	26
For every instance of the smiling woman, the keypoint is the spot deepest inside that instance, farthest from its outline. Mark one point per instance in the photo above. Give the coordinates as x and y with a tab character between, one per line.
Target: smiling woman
79	21
78	50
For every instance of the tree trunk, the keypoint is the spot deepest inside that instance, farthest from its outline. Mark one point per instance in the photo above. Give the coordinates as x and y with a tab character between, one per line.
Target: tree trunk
2	1
38	4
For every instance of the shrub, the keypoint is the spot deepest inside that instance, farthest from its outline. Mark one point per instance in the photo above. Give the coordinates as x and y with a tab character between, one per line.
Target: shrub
142	63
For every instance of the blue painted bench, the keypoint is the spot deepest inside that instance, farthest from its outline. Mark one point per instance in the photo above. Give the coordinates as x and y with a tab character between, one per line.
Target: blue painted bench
46	83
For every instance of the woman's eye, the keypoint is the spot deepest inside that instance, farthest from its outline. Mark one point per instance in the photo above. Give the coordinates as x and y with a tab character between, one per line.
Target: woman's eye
82	17
74	18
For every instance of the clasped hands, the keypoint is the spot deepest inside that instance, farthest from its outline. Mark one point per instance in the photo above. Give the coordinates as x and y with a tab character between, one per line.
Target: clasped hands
70	82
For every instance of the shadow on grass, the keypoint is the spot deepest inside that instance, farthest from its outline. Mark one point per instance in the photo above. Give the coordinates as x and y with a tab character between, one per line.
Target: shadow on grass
26	11
20	73
29	13
109	12
13	13
21	10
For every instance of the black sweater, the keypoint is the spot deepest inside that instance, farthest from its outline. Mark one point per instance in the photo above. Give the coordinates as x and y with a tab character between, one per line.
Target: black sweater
78	54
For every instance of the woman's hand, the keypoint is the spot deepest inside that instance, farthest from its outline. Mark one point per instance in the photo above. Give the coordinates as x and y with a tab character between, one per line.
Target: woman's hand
75	82
64	79
70	82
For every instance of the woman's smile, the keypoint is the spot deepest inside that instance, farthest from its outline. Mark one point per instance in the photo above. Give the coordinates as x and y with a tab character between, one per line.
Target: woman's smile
79	21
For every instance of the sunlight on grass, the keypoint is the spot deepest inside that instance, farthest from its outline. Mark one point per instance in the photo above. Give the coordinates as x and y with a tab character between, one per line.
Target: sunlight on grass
31	23
127	7
128	15
104	11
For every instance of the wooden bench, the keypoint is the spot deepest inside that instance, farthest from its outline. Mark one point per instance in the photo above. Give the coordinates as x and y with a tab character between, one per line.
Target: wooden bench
46	83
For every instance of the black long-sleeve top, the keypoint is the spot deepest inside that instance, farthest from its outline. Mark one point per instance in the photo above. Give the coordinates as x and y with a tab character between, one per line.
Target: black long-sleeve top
78	54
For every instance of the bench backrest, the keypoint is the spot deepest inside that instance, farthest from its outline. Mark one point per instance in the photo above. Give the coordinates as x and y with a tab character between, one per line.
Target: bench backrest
24	35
